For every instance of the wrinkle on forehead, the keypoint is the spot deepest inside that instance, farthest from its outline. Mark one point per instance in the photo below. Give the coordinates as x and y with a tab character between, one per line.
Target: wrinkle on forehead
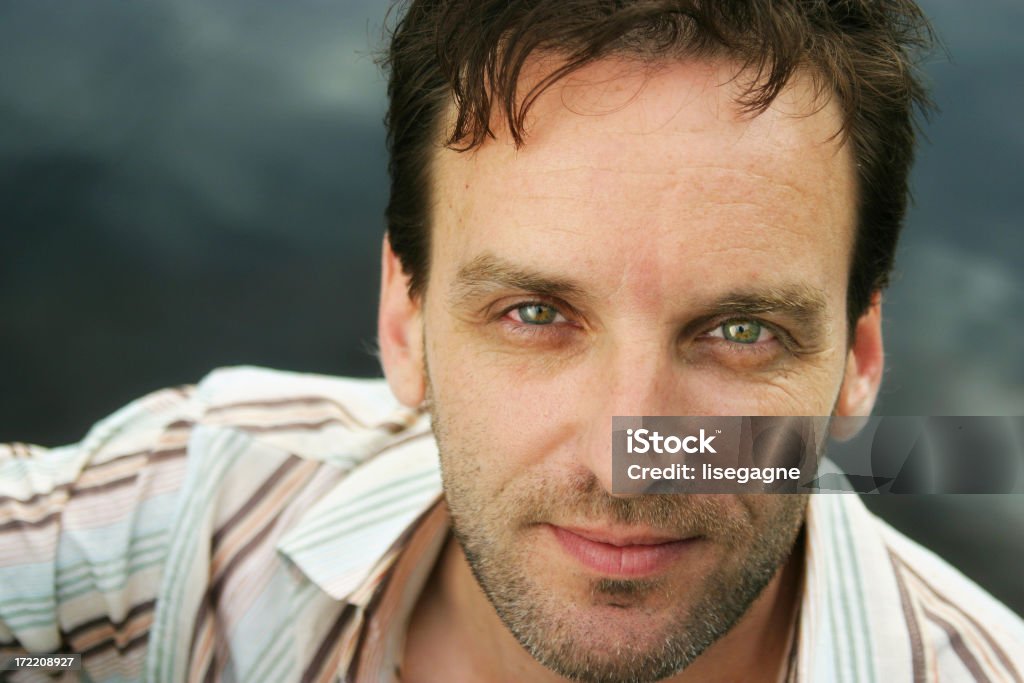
674	165
686	110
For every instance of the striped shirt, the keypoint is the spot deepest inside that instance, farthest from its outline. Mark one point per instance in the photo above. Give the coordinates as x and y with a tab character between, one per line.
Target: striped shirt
272	526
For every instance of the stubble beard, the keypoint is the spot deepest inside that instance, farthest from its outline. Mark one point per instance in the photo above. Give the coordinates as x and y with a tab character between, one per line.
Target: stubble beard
557	632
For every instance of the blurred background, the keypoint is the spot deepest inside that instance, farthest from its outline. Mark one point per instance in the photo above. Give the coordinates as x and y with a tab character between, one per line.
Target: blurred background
187	184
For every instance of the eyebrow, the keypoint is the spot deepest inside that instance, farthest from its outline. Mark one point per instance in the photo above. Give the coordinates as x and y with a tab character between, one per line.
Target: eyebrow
486	273
799	302
805	306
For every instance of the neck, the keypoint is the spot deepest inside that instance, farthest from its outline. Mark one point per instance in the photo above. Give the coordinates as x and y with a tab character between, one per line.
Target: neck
455	634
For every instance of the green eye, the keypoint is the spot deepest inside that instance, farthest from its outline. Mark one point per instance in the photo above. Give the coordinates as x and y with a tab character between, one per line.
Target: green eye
537	314
741	331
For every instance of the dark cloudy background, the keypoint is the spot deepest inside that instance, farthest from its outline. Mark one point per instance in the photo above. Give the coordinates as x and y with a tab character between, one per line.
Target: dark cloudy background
186	184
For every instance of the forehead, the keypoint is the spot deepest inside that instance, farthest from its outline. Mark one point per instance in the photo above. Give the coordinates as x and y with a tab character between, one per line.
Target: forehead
623	153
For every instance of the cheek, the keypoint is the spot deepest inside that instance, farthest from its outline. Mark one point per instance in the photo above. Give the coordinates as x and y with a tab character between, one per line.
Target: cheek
775	517
494	420
517	389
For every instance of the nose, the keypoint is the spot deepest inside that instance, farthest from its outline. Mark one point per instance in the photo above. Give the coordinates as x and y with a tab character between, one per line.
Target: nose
634	380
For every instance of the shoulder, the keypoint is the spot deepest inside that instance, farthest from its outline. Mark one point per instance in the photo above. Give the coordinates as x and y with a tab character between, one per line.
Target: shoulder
263	393
80	525
875	598
117	445
316	417
964	631
250	386
277	406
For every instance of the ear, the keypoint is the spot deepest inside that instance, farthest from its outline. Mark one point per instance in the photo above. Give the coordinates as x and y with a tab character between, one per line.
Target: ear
865	362
400	332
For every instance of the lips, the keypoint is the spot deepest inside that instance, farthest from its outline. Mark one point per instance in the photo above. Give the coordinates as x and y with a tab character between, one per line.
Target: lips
622	553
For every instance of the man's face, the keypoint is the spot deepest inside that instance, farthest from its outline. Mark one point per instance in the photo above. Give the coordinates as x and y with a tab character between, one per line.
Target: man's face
649	251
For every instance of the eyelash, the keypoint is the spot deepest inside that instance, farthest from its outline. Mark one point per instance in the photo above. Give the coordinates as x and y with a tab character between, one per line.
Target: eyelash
526	329
776	334
753	350
750	350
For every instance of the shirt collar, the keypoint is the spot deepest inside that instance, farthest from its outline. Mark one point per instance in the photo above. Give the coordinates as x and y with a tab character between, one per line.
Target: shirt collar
852	625
384	453
354	532
851	621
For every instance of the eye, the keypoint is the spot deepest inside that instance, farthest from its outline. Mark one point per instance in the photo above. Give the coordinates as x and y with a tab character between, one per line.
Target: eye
742	331
536	314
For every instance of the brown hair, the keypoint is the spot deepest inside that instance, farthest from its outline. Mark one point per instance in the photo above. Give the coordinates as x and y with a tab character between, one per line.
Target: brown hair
862	52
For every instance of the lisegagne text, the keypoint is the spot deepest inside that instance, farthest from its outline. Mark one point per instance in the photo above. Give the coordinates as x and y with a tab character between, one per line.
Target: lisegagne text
740	475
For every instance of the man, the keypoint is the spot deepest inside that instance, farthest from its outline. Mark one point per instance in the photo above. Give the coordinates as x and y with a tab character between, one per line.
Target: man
597	209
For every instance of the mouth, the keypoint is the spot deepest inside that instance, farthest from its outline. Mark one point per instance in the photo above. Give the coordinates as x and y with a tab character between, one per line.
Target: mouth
622	553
